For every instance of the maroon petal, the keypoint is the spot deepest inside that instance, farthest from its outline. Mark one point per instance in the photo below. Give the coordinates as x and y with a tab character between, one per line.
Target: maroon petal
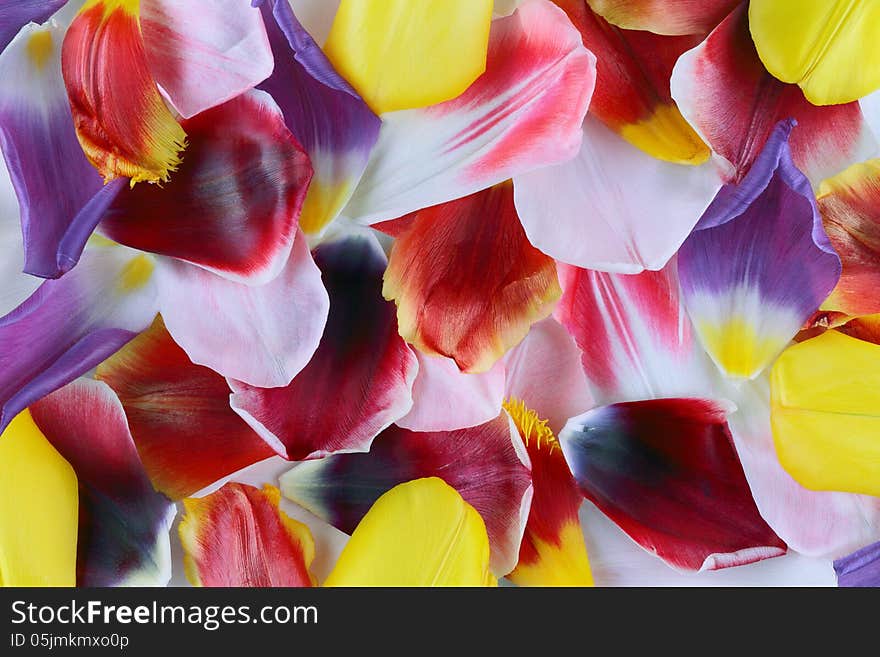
359	380
666	471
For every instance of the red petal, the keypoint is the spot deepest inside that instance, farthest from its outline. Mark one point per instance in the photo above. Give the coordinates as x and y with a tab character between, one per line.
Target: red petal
179	414
667	473
453	300
233	205
359	380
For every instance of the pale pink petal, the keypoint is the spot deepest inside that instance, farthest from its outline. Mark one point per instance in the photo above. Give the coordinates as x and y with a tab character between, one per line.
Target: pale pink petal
263	335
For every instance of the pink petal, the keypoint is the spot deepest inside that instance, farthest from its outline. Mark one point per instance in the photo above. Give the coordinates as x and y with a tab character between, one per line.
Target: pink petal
260	334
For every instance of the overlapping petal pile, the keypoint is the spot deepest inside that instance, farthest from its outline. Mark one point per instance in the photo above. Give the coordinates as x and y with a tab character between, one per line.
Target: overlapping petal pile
439	293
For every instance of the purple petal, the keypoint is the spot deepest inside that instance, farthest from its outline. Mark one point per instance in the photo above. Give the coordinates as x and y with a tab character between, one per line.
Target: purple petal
321	109
61	195
15	14
758	263
70	325
861	568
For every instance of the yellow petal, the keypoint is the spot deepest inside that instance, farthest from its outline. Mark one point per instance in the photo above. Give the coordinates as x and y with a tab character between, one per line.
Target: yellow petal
828	47
402	54
421	533
39	502
825	412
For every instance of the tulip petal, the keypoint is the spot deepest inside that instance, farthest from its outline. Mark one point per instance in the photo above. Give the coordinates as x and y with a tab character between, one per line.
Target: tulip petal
123	125
15	15
260	334
124	523
486	464
664	16
817	45
316	16
610	208
666	471
552	552
402	55
17	286
421	533
814	523
544	371
239	537
454	304
618	561
232	206
825	395
179	415
335	126
632	94
723	77
636	339
861	568
204	52
70	325
61	195
758	264
524	112
39	500
850	208
360	378
445	398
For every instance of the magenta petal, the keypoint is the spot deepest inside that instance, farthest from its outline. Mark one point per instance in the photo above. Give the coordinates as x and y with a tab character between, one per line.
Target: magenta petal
124	523
70	325
360	378
666	471
60	193
486	464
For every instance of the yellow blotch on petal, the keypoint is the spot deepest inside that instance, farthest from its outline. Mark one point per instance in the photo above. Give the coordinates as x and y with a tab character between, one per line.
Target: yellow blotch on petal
39	48
323	202
39	505
667	136
136	273
825	413
558	564
403	54
827	47
737	348
421	533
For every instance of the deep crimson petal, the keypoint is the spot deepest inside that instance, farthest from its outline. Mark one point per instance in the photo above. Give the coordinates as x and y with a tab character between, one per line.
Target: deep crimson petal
179	415
359	380
232	206
666	471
